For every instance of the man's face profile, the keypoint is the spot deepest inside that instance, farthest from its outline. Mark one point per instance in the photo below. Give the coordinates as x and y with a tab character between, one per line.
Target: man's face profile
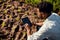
43	15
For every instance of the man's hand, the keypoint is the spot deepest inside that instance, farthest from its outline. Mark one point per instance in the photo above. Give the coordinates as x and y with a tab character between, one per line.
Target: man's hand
40	24
28	29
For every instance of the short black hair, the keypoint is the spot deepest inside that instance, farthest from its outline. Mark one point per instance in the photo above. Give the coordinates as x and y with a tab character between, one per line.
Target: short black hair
46	7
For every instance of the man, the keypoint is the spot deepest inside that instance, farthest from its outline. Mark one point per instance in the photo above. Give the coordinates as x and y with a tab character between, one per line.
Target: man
51	27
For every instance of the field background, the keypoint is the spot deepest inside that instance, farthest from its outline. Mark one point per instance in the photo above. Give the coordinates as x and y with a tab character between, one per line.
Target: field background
11	12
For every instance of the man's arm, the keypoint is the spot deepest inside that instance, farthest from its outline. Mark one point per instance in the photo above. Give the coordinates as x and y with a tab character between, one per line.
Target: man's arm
43	32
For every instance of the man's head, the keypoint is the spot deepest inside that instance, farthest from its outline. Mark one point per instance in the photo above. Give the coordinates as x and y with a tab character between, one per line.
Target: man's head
45	9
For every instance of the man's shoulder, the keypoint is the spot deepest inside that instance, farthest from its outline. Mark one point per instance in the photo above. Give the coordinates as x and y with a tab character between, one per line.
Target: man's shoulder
53	18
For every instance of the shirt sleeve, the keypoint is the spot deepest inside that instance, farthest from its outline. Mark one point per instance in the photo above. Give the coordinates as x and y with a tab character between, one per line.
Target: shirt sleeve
43	32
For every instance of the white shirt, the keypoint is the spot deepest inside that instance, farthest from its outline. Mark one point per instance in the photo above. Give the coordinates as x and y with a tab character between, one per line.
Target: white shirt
50	29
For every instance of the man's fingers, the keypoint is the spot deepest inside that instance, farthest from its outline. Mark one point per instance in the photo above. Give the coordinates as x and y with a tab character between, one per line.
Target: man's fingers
27	27
26	24
40	24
